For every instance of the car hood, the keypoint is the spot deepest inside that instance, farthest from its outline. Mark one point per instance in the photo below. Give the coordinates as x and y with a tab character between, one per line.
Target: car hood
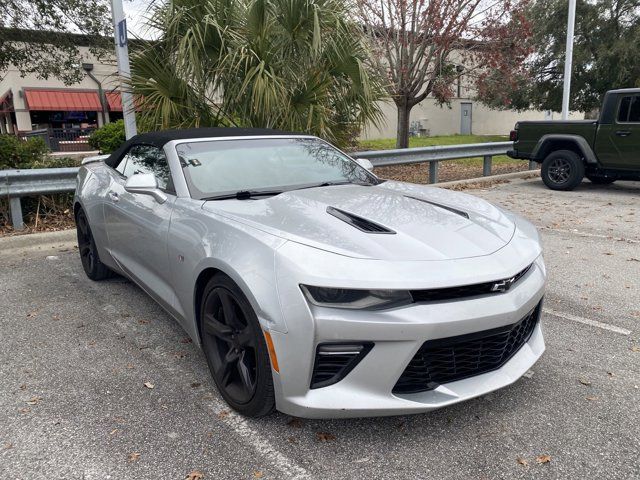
423	223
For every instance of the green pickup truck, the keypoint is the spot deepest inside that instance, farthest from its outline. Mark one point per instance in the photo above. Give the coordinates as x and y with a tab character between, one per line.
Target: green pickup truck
603	150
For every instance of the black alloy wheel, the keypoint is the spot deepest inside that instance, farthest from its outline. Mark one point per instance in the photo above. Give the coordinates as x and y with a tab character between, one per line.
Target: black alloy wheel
89	257
562	170
235	348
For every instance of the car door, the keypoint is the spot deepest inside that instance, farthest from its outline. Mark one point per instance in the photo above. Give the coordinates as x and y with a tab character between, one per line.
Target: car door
137	225
618	143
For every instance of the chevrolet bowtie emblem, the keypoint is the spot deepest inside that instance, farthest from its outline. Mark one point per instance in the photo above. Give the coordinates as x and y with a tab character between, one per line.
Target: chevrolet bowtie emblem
503	285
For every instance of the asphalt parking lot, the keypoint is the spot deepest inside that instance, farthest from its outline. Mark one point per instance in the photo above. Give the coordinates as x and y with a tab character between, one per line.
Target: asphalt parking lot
98	382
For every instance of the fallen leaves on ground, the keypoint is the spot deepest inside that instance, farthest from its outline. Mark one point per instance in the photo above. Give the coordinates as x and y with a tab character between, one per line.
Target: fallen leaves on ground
635	348
7	445
584	381
591	398
543	459
32	314
325	437
113	432
195	475
186	340
33	400
258	474
149	385
223	413
195	385
143	322
295	423
133	457
24	410
522	461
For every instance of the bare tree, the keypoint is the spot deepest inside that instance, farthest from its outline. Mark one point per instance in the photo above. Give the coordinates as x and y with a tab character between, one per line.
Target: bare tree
424	46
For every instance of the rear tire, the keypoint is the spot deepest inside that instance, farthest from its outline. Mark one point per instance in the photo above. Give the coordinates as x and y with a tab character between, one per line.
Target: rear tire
562	170
600	180
235	348
93	267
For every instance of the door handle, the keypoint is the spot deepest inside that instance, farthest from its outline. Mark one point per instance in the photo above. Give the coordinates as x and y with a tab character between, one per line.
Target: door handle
114	196
623	133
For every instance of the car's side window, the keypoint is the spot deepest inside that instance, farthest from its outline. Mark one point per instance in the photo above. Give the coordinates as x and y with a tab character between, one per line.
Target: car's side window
147	159
634	111
629	110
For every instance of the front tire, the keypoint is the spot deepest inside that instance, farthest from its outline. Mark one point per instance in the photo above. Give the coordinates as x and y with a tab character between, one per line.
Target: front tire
235	348
562	170
93	267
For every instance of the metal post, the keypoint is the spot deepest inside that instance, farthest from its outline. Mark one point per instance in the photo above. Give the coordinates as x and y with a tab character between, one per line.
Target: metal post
486	166
124	70
568	60
433	171
16	213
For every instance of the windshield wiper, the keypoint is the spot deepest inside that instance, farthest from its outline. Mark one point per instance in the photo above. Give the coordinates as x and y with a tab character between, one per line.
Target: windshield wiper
331	184
244	195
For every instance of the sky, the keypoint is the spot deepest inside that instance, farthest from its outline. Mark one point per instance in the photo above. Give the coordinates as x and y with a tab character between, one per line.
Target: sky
136	11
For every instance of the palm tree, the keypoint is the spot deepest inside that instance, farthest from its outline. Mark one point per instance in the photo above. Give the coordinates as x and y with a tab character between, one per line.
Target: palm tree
296	65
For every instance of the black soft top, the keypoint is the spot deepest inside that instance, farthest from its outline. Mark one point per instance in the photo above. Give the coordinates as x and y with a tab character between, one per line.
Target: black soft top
160	138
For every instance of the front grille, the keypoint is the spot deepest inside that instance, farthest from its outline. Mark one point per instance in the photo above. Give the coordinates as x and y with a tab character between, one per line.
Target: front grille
449	359
454	293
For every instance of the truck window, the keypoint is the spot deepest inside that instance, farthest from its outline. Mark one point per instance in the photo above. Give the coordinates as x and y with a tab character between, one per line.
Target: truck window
634	112
629	109
623	113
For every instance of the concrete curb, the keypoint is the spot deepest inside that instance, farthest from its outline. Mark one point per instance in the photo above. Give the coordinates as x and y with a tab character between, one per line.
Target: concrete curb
489	179
38	241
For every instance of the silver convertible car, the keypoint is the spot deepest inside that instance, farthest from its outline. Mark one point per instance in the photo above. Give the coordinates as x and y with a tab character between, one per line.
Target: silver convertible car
312	286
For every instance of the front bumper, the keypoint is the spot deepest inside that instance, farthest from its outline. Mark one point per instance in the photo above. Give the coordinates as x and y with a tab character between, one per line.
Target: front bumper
397	335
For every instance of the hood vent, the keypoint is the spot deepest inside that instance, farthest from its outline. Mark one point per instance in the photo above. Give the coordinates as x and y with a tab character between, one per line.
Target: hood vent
358	222
439	205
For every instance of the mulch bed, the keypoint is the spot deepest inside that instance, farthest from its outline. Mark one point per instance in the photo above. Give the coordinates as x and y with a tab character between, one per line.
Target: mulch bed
448	171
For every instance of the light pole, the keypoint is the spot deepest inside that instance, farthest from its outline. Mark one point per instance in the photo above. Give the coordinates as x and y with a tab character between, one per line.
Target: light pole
124	71
568	60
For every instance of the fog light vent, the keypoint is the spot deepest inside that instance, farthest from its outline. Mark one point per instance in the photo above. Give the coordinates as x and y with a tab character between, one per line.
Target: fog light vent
334	361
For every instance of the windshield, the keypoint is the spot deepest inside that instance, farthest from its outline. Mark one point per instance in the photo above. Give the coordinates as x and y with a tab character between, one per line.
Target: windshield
220	167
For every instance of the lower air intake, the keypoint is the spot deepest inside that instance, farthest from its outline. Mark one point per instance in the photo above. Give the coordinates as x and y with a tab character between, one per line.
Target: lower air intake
334	361
449	359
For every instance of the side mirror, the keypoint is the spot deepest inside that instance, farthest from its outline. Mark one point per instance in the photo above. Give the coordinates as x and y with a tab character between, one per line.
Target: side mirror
364	163
145	184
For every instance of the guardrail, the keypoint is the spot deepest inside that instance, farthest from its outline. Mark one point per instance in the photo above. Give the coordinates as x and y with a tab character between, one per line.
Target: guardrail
38	181
21	183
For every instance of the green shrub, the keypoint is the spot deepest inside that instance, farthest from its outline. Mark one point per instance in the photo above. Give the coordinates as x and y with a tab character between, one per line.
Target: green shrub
109	137
18	153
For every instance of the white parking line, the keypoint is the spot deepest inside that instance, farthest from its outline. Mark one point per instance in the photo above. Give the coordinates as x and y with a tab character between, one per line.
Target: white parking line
289	468
587	321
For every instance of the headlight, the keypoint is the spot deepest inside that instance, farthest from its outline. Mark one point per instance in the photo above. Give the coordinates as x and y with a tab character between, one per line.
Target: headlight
355	299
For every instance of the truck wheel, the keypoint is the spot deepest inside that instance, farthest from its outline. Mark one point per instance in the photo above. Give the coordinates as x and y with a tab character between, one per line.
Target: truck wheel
600	180
562	170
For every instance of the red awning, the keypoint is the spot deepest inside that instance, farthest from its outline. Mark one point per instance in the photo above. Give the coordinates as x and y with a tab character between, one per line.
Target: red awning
114	99
63	100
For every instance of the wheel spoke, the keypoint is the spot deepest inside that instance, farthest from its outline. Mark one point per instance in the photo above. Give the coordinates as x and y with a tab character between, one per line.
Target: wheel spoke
245	375
213	327
229	310
84	250
228	366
